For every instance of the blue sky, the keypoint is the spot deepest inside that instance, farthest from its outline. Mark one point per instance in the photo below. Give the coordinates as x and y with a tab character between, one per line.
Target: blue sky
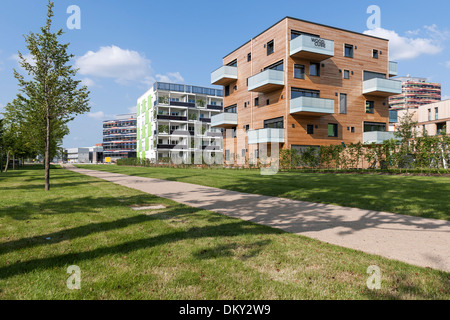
123	46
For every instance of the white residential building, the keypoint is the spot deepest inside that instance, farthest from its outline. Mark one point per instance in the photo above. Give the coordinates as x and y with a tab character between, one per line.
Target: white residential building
174	122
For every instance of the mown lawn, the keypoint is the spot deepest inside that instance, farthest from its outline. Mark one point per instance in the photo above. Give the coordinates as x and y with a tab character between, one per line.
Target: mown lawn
174	253
422	196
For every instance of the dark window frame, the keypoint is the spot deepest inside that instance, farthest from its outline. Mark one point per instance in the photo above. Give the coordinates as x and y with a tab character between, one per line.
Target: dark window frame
351	52
370	107
317	64
335	130
270	46
343	110
346	74
302	73
278	122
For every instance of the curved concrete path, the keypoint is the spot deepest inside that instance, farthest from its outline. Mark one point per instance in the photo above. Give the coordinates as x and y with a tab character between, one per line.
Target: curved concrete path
417	241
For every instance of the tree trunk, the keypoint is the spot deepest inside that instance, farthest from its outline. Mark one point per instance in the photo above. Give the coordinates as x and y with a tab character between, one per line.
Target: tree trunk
47	154
7	161
14	161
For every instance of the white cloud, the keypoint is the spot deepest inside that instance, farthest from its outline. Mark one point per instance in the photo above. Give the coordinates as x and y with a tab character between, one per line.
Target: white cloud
174	77
28	57
88	82
100	115
123	65
427	41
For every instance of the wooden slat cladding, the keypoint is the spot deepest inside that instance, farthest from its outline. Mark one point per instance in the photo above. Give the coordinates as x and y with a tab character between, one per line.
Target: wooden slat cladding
331	84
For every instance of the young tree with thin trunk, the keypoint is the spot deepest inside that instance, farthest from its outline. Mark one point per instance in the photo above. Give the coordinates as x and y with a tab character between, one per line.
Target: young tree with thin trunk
49	93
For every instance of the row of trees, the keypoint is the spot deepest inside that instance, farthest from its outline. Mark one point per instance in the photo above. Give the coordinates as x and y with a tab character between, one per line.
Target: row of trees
49	97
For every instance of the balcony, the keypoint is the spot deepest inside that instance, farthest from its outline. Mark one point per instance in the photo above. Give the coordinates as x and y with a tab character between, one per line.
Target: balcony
171	147
173	118
377	137
309	106
312	48
382	87
393	69
266	81
268	135
211	107
182	104
224	75
224	120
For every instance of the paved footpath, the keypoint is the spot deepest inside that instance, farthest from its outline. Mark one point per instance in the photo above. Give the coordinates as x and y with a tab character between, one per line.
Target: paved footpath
417	241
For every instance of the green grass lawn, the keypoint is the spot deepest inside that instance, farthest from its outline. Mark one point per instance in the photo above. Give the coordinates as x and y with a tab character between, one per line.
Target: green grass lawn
174	253
422	196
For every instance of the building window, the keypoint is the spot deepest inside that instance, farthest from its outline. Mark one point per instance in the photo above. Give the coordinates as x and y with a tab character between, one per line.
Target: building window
256	102
247	128
436	113
332	130
348	51
297	92
270	48
343	103
277	123
227	155
245	104
249	57
230	109
370	107
314	69
353	129
276	66
233	63
227	91
429	114
310	129
346	74
374	126
299	71
375	54
268	102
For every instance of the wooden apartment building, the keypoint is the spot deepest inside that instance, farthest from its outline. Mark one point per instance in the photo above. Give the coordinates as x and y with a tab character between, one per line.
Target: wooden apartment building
304	84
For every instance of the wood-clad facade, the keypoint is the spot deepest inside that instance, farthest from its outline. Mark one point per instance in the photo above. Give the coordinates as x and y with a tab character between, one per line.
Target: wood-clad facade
339	85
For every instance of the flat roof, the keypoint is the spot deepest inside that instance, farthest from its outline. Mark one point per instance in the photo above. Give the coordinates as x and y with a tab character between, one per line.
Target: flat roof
315	23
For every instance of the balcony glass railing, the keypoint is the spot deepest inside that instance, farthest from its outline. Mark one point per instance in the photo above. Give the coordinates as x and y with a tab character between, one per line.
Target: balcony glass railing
312	106
313	48
393	68
266	81
377	137
267	135
224	120
382	87
224	75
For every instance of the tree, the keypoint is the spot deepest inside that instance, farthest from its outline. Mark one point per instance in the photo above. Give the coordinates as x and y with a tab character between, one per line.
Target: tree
406	130
49	94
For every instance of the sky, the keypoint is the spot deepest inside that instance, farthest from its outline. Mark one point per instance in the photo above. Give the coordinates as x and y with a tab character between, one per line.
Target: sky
122	47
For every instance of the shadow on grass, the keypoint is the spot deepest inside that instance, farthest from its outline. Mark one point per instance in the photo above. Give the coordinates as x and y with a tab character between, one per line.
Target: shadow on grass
230	229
